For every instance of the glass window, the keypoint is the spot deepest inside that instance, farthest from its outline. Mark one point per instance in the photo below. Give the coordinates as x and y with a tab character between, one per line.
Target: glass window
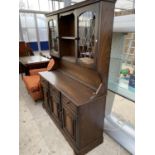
56	5
43	34
61	4
30	22
50	6
20	38
25	35
41	20
23	4
23	19
124	110
44	5
53	5
33	4
122	65
32	34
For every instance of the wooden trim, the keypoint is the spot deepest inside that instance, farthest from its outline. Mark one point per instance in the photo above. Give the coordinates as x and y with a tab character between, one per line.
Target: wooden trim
78	5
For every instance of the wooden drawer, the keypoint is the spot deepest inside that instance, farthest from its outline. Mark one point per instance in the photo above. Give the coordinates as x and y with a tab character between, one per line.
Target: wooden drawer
67	103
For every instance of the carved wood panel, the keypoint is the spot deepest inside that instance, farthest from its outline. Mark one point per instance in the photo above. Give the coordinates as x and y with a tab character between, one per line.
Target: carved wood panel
69	122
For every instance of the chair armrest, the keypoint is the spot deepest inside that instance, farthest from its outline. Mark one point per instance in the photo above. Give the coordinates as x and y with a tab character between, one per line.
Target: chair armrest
36	71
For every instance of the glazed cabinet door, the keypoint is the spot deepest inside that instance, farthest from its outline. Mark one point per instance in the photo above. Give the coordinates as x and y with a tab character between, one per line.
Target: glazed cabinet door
87	33
54	36
56	109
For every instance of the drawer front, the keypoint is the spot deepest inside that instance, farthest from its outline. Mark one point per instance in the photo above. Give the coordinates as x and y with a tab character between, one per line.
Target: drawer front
67	103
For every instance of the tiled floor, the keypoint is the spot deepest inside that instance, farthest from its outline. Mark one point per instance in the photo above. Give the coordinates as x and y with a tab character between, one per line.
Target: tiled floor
39	135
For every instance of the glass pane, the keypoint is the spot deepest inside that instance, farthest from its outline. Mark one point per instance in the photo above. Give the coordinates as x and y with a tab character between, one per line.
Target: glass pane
23	4
53	35
25	35
122	65
123	110
86	44
56	5
44	5
33	4
20	38
43	35
32	34
53	5
41	20
61	5
50	6
30	22
23	19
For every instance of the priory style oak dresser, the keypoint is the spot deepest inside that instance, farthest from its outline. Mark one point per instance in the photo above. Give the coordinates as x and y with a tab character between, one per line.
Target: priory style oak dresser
75	90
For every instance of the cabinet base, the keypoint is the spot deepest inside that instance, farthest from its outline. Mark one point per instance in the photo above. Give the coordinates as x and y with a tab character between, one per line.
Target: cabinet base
77	151
89	147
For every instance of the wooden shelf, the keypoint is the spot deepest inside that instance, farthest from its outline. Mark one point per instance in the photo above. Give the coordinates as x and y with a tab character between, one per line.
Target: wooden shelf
69	59
122	89
67	37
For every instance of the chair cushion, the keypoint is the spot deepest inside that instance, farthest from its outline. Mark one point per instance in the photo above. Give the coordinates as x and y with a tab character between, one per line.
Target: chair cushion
37	95
32	83
50	64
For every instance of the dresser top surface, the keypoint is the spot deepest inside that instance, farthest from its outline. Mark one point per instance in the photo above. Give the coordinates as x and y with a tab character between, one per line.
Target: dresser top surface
73	89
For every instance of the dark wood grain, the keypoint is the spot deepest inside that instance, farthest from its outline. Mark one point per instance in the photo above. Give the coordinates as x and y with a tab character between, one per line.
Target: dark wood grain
78	5
66	50
105	39
67	25
89	77
75	92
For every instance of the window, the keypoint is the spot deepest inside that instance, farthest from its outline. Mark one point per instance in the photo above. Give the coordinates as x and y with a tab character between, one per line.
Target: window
33	4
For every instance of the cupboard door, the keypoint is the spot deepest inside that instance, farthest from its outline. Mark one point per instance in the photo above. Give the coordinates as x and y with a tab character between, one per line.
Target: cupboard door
69	122
46	102
54	36
56	109
55	104
87	26
56	112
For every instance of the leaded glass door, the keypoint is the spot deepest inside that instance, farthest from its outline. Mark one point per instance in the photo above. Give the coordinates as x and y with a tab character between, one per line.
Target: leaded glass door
87	35
54	36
